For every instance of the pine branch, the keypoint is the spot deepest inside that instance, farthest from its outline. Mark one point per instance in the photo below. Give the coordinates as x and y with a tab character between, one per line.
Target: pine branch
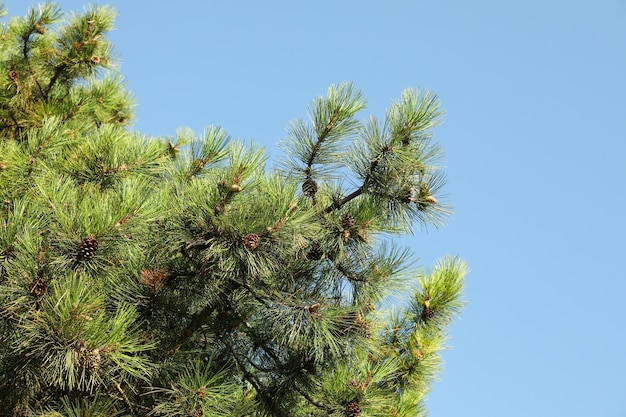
126	400
196	322
35	155
261	390
200	318
340	203
227	199
26	50
246	374
318	144
287	322
373	165
350	276
26	42
57	73
311	400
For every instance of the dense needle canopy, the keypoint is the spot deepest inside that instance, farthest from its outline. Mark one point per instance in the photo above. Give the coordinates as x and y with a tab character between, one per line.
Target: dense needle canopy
182	276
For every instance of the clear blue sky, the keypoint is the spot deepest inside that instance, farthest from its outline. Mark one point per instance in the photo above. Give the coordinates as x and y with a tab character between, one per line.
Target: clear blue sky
535	138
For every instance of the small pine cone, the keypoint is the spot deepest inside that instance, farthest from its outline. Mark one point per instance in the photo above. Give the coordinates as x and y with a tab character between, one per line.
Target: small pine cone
363	327
88	248
430	199
407	195
153	278
313	310
251	241
427	313
95	59
93	360
347	221
14	75
362	234
309	187
418	354
355	385
424	198
353	409
315	252
222	185
218	209
38	287
39	28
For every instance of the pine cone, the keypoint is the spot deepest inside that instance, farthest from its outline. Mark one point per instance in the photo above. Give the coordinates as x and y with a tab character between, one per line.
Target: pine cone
38	287
363	326
313	310
355	385
309	187
39	28
362	234
347	221
369	306
315	253
88	248
407	195
353	409
251	241
424	199
427	313
153	278
93	360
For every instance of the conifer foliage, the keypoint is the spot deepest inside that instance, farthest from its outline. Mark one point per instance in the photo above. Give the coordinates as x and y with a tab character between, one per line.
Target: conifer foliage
183	276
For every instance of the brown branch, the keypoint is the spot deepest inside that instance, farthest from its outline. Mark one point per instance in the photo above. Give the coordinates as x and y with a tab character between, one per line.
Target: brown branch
200	318
53	80
311	400
339	203
373	164
246	374
198	243
25	47
321	138
35	154
196	322
349	275
126	400
270	352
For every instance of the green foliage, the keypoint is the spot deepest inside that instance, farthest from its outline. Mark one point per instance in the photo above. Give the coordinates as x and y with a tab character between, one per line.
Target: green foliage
182	276
200	389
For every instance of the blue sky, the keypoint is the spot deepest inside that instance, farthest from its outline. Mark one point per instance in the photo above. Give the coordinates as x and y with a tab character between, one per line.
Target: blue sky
535	93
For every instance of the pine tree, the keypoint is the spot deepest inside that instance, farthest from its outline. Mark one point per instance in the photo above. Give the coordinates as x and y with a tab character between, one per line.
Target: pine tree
184	276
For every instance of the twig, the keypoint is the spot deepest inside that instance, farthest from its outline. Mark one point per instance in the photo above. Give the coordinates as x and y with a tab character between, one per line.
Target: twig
119	388
373	164
311	400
